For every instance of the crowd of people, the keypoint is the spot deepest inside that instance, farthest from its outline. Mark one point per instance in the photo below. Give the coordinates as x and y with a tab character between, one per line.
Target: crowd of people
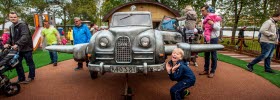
178	70
18	37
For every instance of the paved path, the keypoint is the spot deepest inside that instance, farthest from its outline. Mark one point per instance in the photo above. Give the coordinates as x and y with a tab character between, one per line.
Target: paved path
274	65
63	83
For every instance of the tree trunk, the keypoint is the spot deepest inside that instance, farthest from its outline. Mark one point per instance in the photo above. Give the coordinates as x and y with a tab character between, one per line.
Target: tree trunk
214	3
265	2
3	25
64	22
236	19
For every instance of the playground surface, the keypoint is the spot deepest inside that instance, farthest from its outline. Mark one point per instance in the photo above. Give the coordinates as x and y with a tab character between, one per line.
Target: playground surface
63	83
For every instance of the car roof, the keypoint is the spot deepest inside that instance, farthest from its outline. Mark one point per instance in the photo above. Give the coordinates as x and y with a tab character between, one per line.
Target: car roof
133	12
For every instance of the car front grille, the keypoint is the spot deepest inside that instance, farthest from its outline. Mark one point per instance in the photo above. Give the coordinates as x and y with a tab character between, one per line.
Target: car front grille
123	50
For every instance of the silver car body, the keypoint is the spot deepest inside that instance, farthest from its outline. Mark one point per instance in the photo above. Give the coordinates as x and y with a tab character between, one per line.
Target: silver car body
123	48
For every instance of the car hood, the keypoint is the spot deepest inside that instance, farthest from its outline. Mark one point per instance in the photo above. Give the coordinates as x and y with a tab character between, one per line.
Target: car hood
129	30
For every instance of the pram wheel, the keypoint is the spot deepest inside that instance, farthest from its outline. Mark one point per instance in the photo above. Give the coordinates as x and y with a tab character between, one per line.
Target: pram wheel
12	89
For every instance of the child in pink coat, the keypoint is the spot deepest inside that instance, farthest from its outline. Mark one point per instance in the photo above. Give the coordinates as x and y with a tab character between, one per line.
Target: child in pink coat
5	36
208	28
64	40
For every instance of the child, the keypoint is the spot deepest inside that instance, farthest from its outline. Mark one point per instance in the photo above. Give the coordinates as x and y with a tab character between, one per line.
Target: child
178	71
5	36
190	17
63	40
208	28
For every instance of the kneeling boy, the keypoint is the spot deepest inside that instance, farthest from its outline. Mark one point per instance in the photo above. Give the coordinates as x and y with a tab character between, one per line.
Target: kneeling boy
180	72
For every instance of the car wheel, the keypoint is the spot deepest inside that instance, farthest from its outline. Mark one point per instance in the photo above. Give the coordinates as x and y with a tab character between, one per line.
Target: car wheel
93	74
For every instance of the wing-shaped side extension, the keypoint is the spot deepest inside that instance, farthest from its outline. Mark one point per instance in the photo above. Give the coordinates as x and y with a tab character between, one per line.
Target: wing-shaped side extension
61	48
79	50
188	48
200	47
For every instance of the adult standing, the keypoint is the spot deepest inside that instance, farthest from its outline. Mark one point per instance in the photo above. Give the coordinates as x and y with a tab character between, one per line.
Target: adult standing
268	40
21	40
53	38
81	34
241	37
211	27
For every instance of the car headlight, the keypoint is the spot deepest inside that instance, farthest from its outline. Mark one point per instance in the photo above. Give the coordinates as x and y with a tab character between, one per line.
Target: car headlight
144	41
103	42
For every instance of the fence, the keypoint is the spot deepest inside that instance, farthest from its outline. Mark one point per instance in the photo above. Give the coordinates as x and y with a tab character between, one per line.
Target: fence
253	46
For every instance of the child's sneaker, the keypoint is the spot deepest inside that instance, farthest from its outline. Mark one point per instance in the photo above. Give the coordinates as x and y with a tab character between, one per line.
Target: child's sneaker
187	92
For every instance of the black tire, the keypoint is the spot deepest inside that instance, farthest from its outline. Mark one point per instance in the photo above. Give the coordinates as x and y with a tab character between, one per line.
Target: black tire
93	74
12	89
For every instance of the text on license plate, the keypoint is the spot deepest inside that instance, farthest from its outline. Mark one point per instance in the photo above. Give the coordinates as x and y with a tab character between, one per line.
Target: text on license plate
123	69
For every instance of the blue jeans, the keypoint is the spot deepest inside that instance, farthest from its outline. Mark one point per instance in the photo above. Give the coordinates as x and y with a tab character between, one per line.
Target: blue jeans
27	55
213	58
177	91
266	54
53	56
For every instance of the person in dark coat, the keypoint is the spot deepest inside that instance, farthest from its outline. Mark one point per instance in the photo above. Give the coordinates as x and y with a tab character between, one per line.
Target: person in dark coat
21	40
241	36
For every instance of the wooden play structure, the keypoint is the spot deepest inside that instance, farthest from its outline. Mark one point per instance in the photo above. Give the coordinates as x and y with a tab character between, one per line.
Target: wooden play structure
158	10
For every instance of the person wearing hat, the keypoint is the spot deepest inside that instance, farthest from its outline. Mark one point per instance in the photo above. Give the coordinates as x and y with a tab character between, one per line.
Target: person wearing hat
241	37
190	17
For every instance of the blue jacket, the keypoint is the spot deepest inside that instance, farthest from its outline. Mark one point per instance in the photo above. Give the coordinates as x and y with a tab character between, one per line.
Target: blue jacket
81	34
183	73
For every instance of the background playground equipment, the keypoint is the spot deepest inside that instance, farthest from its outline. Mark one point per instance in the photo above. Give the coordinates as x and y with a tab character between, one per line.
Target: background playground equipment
38	22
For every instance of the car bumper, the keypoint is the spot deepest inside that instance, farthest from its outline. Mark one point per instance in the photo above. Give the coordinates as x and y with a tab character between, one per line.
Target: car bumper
145	68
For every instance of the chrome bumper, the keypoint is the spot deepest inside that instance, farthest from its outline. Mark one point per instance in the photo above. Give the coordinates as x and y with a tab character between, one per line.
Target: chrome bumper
145	68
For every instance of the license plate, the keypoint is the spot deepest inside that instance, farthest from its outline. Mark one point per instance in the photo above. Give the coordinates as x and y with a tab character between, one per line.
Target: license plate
123	69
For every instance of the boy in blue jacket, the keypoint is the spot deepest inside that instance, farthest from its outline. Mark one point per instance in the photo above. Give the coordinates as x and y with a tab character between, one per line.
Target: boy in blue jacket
178	71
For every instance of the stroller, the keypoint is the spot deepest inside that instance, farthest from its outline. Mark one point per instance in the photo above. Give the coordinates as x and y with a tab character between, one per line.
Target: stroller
8	61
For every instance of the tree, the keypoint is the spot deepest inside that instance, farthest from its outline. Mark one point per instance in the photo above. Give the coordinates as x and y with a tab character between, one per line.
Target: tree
108	5
85	9
6	6
63	13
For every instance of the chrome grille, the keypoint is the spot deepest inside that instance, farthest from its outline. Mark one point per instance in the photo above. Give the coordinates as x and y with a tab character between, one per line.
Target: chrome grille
123	50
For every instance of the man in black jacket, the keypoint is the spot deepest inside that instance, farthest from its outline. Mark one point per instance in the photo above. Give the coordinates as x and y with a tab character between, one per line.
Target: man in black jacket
21	40
241	37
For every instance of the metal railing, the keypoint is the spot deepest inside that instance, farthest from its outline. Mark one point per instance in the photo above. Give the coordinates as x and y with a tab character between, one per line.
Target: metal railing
252	47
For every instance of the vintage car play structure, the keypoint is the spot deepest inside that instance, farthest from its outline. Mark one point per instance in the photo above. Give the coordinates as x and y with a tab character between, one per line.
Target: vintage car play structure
130	45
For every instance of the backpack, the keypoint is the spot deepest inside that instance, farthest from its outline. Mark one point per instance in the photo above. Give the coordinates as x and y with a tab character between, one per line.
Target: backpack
168	25
259	36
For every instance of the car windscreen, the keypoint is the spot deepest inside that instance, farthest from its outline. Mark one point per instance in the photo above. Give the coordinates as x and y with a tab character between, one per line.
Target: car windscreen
131	20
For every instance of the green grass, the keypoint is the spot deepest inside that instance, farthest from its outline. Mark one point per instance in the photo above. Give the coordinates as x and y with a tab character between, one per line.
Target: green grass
259	70
41	58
